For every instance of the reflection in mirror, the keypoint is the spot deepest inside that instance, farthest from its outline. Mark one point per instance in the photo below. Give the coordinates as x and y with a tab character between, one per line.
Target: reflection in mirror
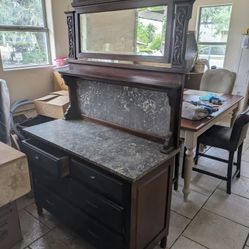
129	32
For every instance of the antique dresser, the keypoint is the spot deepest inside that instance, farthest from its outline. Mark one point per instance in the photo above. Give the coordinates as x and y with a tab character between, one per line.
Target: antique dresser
106	169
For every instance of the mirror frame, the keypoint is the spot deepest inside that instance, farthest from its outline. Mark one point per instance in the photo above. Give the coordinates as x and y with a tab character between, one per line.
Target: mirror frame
178	15
124	57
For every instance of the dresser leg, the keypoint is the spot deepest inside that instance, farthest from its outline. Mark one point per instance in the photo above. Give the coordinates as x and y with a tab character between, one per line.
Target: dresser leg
163	243
39	210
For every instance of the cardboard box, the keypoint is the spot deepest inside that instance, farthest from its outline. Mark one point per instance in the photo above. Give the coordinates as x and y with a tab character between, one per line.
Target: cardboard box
53	105
59	83
10	231
14	175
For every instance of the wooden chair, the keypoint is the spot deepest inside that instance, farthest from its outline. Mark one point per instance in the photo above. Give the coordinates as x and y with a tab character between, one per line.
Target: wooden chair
230	139
218	81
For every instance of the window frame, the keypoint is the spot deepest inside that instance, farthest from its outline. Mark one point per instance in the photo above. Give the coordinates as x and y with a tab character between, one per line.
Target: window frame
21	28
199	24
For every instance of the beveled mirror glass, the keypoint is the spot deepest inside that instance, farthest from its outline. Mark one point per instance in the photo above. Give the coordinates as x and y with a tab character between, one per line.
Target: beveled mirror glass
139	31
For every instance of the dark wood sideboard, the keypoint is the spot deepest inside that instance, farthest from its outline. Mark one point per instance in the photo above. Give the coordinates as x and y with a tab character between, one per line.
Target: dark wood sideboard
106	169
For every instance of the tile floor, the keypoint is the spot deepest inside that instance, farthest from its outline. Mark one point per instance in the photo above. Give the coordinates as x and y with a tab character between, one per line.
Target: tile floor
211	219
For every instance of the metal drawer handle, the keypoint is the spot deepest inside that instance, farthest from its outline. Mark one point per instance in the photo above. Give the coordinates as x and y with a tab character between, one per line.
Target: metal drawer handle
50	203
93	234
91	204
92	177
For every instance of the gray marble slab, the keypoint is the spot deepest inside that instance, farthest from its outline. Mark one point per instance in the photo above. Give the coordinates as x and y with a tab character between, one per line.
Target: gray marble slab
146	110
121	153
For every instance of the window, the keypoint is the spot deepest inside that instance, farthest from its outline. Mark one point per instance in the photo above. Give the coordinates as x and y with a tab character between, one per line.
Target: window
23	33
213	29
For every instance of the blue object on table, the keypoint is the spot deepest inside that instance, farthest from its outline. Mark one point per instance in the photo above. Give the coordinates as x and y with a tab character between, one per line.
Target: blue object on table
212	98
209	108
215	101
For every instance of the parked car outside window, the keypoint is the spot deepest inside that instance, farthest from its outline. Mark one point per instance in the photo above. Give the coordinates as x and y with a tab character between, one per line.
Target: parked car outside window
214	54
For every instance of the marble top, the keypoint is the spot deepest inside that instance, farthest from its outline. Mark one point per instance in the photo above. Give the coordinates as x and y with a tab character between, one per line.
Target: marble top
119	152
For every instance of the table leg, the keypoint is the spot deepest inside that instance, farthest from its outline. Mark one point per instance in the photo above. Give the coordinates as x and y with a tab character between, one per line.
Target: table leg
190	144
234	115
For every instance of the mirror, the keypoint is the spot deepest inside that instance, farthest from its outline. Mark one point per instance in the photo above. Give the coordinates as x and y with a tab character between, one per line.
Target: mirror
139	31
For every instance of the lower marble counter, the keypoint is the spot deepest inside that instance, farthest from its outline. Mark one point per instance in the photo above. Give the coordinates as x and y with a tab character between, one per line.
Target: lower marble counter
119	152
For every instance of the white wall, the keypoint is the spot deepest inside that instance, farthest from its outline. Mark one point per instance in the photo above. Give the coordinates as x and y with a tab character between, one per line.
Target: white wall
60	26
236	59
36	82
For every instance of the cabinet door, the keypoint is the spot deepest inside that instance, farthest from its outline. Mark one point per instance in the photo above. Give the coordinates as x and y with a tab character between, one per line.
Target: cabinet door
153	196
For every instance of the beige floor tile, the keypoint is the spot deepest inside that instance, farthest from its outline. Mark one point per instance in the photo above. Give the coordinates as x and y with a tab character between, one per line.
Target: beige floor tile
31	228
246	146
218	152
244	168
214	167
190	208
245	155
216	232
20	247
185	243
201	183
240	186
24	201
60	238
231	206
47	218
221	153
247	138
212	164
177	225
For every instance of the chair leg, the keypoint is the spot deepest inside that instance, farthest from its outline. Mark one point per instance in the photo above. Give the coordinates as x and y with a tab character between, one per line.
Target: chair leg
176	174
239	159
229	172
183	161
197	153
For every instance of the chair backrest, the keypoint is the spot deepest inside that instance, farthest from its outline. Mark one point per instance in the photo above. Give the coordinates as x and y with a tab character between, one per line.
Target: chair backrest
239	129
4	113
218	81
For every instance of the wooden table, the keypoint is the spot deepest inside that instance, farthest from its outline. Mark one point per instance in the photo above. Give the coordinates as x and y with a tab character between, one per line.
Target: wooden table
190	130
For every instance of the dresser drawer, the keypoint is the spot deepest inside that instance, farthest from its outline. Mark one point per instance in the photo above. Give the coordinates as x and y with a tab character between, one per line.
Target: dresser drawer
103	183
50	159
109	213
91	230
97	206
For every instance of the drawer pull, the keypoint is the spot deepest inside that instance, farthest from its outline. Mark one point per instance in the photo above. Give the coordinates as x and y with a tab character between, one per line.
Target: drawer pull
92	177
93	235
92	204
37	157
49	203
